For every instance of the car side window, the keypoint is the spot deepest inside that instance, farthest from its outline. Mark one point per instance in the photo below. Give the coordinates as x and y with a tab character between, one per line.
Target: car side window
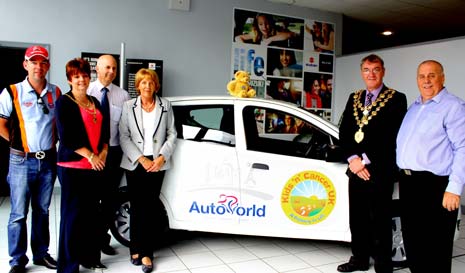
272	131
212	123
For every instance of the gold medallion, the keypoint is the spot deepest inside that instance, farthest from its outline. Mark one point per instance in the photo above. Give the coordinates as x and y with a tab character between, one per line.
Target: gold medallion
359	136
368	112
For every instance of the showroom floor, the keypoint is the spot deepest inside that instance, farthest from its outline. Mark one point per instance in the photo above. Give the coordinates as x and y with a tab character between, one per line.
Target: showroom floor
216	253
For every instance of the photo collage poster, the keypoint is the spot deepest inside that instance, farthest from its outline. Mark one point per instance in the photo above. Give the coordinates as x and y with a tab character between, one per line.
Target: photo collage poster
290	59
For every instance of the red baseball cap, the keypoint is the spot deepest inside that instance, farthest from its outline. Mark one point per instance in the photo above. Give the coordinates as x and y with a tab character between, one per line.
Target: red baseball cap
36	51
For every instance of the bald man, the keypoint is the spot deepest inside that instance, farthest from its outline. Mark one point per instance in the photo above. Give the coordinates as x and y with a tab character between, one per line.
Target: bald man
116	96
431	156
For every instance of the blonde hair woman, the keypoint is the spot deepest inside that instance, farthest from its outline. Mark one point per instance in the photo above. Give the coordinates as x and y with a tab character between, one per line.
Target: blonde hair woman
147	138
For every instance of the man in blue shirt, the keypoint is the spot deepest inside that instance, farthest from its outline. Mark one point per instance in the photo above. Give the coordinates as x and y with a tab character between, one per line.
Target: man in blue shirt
106	72
431	156
27	122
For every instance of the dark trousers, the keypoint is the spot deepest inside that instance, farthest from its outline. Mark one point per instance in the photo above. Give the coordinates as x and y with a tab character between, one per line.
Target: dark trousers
111	179
144	191
78	240
370	222
425	222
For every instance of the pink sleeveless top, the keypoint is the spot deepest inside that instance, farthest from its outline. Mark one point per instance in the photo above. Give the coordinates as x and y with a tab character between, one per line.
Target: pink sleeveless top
93	127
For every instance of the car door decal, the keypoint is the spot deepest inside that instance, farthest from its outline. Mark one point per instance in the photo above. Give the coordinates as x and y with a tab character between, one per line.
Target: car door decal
308	198
232	207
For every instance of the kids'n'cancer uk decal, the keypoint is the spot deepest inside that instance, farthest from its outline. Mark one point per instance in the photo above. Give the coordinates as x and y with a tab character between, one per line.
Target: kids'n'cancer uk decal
308	198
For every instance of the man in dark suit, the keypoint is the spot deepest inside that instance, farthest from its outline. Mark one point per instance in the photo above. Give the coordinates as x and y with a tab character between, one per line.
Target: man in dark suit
368	131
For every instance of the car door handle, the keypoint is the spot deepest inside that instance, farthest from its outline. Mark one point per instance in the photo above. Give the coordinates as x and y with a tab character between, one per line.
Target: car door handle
260	166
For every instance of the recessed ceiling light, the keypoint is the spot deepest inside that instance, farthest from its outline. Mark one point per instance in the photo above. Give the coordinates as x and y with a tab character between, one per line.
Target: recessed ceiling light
387	33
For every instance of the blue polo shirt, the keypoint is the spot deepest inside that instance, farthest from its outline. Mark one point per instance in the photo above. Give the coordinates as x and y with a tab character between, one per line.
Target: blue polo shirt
32	130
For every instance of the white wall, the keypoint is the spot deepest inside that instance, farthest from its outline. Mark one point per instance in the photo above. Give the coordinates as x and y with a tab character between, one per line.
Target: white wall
401	65
195	46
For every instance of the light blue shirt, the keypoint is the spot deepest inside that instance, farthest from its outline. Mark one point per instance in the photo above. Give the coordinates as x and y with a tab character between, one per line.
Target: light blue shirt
116	98
432	138
375	94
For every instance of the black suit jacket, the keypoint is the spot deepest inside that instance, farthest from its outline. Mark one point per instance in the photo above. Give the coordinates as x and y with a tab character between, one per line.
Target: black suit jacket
379	142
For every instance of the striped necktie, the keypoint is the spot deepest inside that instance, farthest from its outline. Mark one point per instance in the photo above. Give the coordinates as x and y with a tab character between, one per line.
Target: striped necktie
369	97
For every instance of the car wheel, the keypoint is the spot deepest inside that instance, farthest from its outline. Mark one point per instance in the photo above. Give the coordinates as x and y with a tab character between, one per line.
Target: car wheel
120	227
399	259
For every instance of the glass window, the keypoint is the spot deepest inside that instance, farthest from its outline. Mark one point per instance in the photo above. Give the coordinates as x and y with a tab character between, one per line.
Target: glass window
214	123
272	131
207	117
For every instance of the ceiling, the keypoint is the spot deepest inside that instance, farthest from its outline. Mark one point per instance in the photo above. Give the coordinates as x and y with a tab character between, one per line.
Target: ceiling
411	21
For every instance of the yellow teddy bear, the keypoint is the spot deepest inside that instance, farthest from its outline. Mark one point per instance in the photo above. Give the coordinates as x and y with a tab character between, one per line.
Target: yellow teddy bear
239	87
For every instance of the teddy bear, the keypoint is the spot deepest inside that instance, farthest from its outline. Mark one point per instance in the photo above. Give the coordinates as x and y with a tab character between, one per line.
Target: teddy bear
239	87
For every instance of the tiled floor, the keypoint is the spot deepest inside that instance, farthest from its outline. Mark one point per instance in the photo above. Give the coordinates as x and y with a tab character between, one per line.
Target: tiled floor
216	253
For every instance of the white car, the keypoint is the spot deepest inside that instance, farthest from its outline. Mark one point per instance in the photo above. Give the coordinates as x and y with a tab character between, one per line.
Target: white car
255	167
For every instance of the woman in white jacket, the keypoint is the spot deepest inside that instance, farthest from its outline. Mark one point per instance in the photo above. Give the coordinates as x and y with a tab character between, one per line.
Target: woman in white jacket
147	137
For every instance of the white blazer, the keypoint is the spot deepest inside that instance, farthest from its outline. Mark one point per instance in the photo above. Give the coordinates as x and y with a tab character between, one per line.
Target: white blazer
131	132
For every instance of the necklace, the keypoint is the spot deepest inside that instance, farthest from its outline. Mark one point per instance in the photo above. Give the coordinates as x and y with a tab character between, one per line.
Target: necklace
88	107
368	112
149	107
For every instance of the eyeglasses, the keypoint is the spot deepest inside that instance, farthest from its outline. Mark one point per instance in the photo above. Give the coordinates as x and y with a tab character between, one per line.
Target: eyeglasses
40	101
375	70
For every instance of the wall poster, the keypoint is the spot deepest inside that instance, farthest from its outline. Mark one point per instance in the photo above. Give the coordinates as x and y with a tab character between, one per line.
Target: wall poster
288	58
130	70
133	65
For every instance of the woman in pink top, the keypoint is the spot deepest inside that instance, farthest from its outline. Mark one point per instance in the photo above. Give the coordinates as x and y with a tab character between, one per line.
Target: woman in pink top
83	145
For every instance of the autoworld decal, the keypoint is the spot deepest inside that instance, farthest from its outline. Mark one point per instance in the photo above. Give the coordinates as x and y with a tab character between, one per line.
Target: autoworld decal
228	204
308	198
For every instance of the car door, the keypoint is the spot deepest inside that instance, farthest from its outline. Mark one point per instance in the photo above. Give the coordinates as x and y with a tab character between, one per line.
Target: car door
203	182
288	189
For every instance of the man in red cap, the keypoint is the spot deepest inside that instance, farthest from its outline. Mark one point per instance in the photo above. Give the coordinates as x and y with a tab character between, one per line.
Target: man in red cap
27	122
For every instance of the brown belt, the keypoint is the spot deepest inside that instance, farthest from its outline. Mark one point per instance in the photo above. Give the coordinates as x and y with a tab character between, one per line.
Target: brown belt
38	155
